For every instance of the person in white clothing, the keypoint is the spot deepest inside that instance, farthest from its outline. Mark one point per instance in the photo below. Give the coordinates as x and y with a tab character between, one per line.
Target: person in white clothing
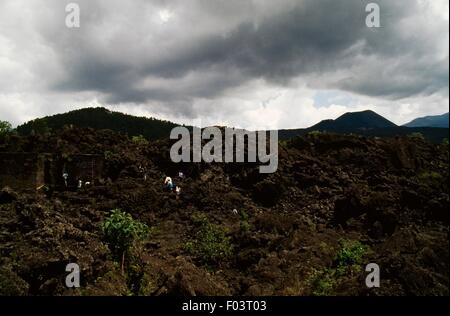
169	184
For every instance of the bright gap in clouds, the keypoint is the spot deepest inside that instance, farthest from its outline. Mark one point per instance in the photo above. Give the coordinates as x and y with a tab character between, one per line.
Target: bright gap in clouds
165	15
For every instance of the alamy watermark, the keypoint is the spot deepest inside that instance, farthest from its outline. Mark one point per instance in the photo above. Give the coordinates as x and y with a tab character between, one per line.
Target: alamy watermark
373	16
73	278
234	150
73	15
373	278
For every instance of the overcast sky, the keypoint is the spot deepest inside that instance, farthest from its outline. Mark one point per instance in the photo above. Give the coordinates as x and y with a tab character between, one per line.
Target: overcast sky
243	63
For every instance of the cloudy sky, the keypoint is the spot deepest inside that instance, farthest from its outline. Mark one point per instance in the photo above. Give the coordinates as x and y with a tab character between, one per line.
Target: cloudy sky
244	63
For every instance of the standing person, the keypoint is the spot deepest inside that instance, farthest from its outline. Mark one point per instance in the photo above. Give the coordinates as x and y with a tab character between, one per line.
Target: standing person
143	171
65	177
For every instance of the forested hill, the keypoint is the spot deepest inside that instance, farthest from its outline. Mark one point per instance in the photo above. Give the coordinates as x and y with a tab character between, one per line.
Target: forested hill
101	118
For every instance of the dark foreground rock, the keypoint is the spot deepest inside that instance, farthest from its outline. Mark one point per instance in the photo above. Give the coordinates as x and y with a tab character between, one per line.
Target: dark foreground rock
389	197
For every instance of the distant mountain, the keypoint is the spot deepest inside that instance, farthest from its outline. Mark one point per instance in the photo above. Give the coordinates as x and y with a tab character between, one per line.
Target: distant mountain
353	121
101	118
367	123
430	121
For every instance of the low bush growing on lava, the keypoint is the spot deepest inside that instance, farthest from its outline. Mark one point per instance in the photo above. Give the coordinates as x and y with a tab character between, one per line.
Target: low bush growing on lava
347	261
210	244
121	231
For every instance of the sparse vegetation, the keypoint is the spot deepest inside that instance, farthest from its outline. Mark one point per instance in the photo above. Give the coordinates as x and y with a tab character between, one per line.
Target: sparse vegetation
351	253
139	140
108	155
322	282
418	136
431	175
210	244
244	224
121	231
348	260
431	178
314	133
11	284
5	128
284	143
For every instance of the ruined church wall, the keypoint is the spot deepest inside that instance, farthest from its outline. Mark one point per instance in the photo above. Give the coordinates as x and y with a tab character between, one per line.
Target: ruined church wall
22	170
29	171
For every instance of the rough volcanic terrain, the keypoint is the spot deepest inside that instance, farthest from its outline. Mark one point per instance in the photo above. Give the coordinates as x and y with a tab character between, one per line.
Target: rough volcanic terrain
335	204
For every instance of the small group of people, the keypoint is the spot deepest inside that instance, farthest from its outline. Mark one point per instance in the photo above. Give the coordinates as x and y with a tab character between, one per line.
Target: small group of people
80	183
171	186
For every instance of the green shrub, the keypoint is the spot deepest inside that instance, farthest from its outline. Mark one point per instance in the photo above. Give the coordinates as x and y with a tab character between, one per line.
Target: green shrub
121	231
108	155
351	252
416	136
5	128
284	143
430	175
139	140
244	216
244	224
314	133
210	244
347	261
432	178
11	284
322	282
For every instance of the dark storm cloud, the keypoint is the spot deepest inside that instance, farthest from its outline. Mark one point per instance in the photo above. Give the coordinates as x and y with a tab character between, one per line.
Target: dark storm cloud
317	37
311	39
304	39
134	53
